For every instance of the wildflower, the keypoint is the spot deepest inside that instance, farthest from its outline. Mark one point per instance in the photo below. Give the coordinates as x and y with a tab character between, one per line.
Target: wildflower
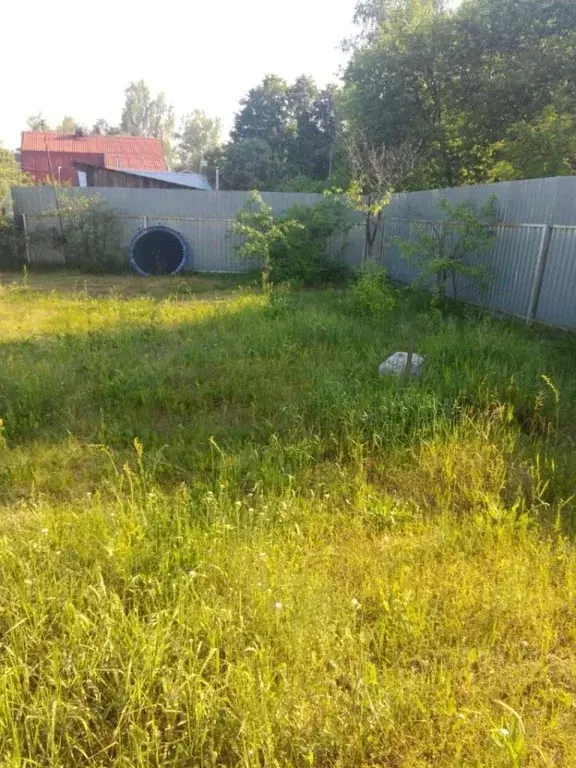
44	531
278	606
356	603
192	574
504	732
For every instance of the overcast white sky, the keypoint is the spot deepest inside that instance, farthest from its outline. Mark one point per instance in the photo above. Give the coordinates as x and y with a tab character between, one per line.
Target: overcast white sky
76	58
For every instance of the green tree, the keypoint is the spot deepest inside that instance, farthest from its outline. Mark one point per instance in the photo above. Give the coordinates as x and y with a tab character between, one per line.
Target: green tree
456	80
543	147
10	176
251	164
67	125
103	128
313	125
399	88
294	127
255	157
264	114
448	250
198	136
37	122
146	116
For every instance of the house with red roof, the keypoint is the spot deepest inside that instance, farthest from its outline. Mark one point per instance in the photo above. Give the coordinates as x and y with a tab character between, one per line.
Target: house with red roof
61	151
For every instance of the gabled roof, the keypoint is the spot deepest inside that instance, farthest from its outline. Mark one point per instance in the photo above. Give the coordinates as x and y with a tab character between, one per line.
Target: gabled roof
136	152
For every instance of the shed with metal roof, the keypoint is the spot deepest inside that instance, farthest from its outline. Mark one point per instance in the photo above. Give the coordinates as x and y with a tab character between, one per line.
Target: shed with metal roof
91	175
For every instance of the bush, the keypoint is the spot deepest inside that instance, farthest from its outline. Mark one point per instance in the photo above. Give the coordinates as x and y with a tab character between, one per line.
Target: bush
90	238
298	247
372	294
446	250
12	247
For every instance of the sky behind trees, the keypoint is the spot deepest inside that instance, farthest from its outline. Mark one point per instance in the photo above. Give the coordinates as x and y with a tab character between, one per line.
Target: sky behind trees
77	60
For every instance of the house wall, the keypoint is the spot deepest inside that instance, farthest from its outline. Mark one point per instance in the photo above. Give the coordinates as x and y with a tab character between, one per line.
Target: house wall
36	164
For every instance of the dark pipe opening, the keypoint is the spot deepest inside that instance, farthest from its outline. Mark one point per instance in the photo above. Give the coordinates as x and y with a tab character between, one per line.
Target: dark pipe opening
158	251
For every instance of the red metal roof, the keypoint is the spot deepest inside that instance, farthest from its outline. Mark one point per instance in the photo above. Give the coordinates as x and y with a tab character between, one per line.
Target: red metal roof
136	152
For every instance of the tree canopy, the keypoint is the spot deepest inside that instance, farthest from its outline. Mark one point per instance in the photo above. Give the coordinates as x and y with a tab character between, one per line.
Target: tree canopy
198	136
465	84
283	136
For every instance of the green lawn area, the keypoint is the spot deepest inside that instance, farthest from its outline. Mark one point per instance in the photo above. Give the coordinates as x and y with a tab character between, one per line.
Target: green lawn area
225	541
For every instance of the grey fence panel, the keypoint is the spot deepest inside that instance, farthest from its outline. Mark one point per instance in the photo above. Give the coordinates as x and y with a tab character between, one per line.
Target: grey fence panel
398	266
212	243
129	228
509	265
557	304
174	203
350	247
532	201
43	230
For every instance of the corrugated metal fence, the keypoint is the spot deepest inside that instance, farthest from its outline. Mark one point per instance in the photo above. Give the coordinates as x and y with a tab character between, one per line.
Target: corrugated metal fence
532	264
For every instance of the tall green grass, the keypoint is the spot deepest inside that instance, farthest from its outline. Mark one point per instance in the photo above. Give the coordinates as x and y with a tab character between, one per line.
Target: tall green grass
224	541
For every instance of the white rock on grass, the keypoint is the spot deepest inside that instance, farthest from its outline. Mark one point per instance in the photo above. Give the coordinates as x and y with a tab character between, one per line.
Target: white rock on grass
395	365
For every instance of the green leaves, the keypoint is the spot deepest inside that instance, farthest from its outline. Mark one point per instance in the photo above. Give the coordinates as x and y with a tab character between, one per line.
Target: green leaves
478	86
446	250
294	246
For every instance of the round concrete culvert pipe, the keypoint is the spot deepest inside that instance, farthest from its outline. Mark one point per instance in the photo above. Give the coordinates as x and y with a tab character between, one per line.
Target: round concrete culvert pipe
158	250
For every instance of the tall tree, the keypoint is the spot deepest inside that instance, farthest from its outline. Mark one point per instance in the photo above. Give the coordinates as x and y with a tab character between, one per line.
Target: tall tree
457	80
198	136
399	85
313	119
264	114
67	125
146	116
530	150
294	126
251	164
37	122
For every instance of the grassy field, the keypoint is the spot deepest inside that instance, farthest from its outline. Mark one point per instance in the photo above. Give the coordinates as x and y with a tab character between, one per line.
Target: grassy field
224	541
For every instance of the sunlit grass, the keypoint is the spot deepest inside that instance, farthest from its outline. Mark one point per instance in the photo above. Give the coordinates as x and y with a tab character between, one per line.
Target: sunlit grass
224	541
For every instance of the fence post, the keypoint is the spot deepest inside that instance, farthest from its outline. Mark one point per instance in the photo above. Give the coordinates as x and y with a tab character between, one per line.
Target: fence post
26	239
539	273
383	225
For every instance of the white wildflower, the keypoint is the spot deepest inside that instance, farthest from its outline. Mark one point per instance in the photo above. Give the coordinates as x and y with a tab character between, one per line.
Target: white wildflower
278	606
356	603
